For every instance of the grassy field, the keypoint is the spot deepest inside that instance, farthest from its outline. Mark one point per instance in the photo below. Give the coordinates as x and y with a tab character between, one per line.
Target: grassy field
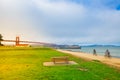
27	64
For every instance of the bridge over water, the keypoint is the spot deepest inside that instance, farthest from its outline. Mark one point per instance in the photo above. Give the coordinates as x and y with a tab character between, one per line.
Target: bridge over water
18	41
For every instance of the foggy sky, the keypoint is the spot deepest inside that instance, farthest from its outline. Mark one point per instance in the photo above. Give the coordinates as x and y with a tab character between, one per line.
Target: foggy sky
61	21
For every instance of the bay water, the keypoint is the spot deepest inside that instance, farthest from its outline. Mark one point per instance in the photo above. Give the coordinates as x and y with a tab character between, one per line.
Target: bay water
114	51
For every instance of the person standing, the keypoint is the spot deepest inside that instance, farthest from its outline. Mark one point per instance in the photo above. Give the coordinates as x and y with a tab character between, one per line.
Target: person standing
94	52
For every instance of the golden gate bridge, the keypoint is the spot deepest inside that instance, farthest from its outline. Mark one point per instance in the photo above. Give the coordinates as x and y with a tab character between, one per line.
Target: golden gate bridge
17	42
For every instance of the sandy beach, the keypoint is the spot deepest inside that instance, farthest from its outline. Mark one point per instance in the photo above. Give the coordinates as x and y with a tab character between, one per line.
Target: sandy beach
115	62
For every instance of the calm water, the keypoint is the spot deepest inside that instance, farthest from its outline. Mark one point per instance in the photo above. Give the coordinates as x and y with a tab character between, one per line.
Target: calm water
114	51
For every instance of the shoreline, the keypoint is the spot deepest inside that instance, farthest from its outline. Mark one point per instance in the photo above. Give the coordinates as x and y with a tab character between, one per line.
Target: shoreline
115	62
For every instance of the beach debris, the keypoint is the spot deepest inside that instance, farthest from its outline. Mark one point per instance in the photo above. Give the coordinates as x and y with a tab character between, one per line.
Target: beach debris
83	69
107	54
94	52
96	60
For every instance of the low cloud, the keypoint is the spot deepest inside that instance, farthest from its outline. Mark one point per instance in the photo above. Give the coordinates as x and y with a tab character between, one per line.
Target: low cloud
62	21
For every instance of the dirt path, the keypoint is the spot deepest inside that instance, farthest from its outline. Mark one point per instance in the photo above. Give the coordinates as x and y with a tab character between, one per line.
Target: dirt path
110	61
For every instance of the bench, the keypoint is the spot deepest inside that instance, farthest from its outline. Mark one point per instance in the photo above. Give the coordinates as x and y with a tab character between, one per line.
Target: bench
63	59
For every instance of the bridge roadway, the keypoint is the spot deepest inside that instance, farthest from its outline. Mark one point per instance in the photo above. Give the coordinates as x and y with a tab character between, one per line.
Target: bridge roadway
27	42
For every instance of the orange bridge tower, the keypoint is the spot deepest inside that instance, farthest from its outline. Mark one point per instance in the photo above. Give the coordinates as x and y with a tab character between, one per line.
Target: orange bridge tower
17	43
17	40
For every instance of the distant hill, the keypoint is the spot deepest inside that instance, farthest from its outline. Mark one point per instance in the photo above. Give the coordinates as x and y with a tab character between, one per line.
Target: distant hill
100	46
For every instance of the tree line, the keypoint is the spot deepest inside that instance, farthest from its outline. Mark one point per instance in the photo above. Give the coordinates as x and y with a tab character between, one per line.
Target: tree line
1	39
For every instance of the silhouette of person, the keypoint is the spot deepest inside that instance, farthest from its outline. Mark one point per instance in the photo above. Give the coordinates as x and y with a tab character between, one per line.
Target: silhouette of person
94	52
107	54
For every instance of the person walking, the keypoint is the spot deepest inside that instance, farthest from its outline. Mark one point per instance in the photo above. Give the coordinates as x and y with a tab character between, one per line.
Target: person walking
94	52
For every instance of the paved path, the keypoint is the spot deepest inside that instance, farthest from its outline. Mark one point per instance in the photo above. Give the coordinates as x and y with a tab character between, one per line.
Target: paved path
110	61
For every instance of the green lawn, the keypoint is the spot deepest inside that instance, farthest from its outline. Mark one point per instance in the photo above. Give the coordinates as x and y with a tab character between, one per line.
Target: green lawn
27	64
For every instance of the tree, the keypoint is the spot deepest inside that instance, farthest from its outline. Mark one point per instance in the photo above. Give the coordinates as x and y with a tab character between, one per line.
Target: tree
1	40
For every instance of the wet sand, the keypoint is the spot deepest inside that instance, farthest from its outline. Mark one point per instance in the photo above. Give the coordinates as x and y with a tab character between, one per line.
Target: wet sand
115	62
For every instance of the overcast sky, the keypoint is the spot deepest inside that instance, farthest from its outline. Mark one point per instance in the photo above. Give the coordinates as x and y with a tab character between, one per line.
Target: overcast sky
61	21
